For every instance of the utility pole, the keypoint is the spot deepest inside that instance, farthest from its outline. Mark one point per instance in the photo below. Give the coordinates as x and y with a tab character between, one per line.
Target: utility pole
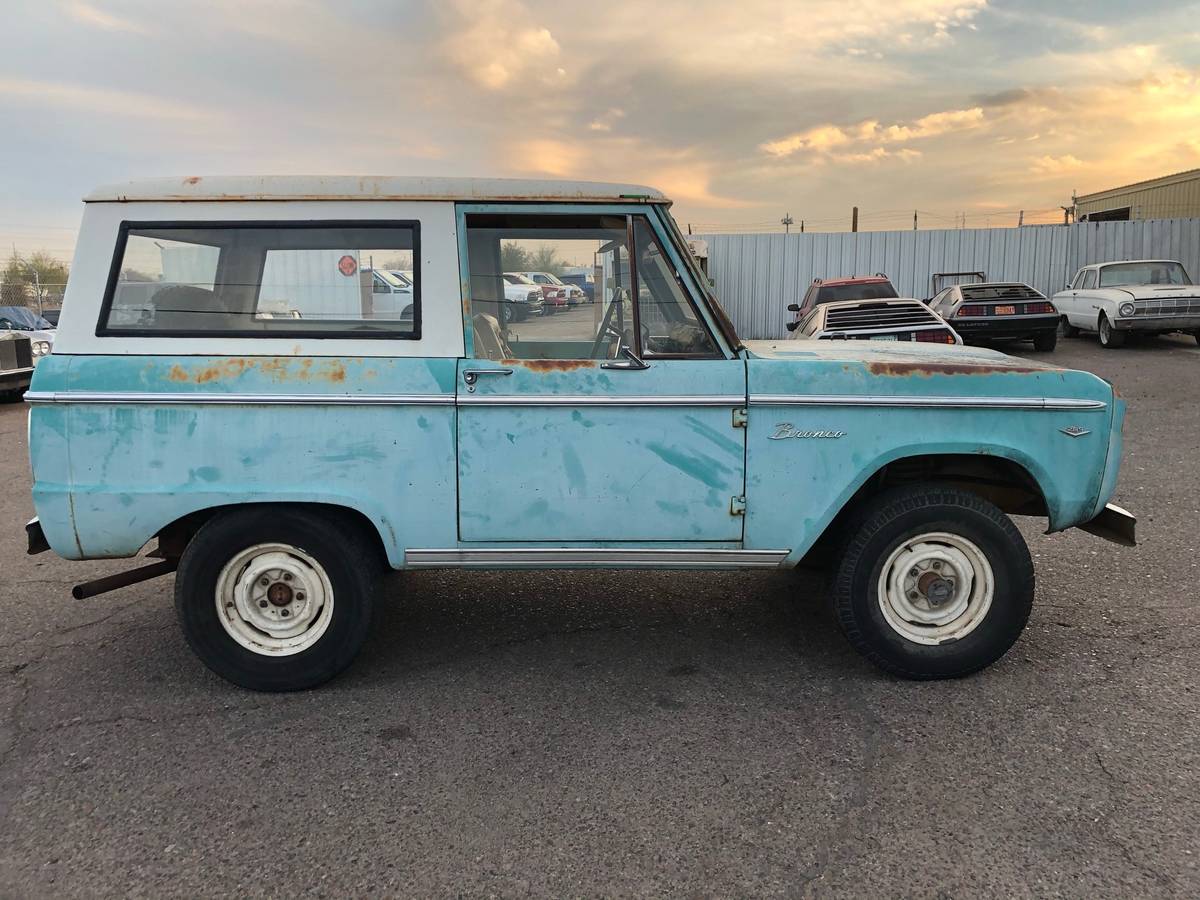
1066	214
787	222
1021	219
802	226
914	220
854	220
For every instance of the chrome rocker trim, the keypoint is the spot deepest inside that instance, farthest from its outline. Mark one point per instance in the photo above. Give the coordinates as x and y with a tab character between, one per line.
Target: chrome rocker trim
608	400
199	399
616	558
1061	403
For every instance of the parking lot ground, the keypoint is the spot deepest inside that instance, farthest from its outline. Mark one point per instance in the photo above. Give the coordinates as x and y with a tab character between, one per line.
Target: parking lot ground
565	734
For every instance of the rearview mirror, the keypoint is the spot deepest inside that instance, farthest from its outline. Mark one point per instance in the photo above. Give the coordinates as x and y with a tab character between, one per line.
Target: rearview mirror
793	307
792	326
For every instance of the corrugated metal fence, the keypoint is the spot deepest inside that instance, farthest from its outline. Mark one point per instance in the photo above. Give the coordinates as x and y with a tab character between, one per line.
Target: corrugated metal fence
758	275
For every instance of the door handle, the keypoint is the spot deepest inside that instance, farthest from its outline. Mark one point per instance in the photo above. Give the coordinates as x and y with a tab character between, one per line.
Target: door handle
470	376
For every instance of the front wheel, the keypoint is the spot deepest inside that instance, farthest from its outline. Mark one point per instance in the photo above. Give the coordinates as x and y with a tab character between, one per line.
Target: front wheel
936	583
275	598
1068	330
1110	338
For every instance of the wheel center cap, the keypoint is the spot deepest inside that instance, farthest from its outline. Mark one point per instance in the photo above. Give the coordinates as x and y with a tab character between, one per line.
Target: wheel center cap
279	594
938	591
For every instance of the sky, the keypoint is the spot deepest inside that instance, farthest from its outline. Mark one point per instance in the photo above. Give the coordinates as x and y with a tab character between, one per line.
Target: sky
740	111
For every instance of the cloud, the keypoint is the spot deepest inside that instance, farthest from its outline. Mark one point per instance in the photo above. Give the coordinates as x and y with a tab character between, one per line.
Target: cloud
495	43
1055	165
90	15
102	101
827	137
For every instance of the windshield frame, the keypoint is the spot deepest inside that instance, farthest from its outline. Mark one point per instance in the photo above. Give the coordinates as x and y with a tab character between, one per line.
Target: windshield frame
1130	264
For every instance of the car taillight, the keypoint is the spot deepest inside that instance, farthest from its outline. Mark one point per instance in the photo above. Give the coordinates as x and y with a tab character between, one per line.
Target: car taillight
971	311
935	337
1039	308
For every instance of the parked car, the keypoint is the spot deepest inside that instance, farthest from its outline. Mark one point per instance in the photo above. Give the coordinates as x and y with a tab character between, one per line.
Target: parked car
554	298
902	319
1147	296
523	300
16	363
278	464
585	281
390	293
851	287
38	330
990	311
575	294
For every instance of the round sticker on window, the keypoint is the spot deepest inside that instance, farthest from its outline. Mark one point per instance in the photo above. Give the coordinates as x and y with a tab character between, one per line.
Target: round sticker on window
347	265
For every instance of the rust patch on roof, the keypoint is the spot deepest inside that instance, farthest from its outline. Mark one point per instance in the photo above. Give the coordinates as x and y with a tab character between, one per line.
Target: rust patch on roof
927	369
551	365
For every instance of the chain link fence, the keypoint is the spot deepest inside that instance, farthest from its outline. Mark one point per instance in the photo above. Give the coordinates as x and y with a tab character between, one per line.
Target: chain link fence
37	297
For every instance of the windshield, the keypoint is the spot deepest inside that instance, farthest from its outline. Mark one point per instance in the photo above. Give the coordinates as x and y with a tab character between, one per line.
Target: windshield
513	278
550	279
390	279
401	277
1143	273
24	319
876	290
701	279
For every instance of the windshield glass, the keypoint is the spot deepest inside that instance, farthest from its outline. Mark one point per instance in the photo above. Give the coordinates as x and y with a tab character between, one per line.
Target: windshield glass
391	279
1143	273
513	278
877	290
714	304
24	319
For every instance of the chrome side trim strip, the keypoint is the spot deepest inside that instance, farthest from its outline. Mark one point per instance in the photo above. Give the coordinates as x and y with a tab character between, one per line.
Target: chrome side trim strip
199	399
566	557
600	400
1061	403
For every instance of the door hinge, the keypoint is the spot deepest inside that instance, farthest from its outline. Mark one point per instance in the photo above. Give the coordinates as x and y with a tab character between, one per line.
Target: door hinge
739	417
737	505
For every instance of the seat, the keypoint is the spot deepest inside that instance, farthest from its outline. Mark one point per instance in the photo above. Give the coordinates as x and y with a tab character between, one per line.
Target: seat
489	340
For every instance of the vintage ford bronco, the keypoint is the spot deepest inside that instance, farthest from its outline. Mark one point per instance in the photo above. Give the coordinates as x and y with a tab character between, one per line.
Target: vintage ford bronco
224	383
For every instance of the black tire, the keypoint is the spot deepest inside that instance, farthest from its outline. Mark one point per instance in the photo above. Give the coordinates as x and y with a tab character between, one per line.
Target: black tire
1046	341
350	564
1110	338
1196	335
1068	330
900	515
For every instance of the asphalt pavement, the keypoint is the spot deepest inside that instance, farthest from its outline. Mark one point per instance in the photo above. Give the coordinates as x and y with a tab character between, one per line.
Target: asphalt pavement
628	733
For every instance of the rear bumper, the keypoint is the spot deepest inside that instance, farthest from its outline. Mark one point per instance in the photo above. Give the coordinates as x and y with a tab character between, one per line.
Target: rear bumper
1113	524
1157	323
1001	328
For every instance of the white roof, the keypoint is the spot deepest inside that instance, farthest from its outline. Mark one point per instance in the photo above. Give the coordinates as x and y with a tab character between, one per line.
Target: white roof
366	187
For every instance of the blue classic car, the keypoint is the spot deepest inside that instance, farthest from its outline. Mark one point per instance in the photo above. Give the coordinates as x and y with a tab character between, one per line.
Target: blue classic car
226	386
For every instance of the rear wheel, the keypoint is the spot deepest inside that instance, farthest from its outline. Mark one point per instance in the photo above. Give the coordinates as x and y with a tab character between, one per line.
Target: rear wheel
1110	338
275	599
1196	335
1068	330
1046	341
935	583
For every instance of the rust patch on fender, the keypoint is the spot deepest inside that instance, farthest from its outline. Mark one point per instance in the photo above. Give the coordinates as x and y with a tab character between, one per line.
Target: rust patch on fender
924	370
278	368
192	179
551	365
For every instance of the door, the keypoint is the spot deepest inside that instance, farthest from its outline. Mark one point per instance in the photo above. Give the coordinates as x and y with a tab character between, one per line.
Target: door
617	421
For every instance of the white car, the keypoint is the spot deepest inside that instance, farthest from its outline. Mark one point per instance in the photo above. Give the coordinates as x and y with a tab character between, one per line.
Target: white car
1148	296
895	319
31	325
575	294
522	300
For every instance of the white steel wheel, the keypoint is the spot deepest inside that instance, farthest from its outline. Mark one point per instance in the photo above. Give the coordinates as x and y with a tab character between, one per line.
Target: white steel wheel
935	587
274	599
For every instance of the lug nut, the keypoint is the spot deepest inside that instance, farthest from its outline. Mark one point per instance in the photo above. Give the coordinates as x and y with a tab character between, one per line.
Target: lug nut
299	595
284	613
914	571
937	563
287	576
262	603
264	581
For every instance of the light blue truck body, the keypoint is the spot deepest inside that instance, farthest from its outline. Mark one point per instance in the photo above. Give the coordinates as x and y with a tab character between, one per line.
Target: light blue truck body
756	451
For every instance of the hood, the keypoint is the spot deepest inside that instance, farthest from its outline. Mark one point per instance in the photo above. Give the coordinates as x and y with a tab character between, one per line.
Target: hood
871	352
1156	291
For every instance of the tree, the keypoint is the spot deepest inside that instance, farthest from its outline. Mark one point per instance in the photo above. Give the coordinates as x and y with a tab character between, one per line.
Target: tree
22	274
513	257
545	259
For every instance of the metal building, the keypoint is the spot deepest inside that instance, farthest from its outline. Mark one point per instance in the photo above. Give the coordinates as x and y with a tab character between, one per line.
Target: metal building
1169	197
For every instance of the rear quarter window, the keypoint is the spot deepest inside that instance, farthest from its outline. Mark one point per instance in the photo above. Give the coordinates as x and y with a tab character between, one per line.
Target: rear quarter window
269	279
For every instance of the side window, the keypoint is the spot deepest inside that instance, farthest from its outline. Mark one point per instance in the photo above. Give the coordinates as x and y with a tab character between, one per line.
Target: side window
639	303
263	279
1089	279
670	325
1078	282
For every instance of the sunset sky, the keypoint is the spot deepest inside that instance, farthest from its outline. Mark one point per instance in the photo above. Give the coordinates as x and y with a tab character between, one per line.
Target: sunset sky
740	111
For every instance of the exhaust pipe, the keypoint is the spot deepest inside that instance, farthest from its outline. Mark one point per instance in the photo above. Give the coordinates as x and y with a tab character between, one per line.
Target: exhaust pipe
123	579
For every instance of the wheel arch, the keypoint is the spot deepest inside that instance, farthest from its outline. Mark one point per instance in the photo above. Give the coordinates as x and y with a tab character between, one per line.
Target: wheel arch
173	537
1007	478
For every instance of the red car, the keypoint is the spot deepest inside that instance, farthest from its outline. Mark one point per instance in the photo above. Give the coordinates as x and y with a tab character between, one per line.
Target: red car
853	287
555	297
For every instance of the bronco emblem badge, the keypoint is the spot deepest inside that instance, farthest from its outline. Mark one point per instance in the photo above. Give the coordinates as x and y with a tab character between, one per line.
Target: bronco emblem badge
784	430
